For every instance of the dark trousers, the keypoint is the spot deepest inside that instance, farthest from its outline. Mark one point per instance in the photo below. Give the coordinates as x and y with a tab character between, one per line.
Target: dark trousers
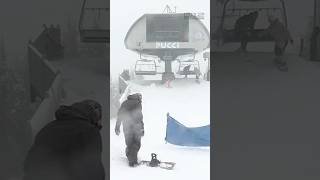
133	142
280	47
243	36
279	50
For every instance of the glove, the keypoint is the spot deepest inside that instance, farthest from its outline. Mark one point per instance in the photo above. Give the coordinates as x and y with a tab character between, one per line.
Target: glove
117	131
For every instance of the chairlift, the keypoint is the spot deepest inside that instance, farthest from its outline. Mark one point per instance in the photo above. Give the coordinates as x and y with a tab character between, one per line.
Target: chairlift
194	64
93	33
145	67
231	11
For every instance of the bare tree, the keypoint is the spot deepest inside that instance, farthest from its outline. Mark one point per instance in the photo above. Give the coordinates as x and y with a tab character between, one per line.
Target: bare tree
15	130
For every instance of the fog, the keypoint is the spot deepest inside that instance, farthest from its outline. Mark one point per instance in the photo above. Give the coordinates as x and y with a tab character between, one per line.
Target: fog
124	13
22	20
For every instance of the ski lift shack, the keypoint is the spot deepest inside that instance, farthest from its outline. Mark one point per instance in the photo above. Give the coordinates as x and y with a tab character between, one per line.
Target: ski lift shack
234	9
167	36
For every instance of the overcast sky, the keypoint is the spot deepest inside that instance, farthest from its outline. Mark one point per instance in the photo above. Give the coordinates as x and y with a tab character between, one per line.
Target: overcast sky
124	13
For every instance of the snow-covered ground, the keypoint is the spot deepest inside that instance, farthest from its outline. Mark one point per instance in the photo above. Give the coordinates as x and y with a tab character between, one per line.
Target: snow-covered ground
267	121
186	101
84	78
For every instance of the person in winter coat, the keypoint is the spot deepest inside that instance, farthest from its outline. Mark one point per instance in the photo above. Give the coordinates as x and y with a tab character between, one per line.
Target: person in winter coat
68	148
281	37
243	26
130	115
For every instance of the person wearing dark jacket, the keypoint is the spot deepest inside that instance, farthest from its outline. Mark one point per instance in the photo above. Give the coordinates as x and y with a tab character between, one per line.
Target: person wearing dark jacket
281	36
70	147
243	26
130	115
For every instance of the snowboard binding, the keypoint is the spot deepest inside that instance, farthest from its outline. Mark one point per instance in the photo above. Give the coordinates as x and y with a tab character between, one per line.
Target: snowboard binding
157	163
154	161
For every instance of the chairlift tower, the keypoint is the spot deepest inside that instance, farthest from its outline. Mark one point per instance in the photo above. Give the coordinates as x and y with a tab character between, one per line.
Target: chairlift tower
167	36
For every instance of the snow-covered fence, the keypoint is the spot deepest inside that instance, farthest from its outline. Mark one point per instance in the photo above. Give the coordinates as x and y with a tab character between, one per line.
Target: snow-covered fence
123	84
124	95
53	91
124	89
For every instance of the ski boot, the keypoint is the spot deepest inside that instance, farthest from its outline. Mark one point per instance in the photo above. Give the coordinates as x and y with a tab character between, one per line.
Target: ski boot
133	164
281	65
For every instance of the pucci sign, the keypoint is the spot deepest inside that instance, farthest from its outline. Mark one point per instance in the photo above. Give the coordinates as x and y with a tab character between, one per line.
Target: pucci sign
167	45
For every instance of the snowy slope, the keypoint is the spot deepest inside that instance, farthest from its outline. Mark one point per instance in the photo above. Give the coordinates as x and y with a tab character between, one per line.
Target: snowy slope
186	101
267	120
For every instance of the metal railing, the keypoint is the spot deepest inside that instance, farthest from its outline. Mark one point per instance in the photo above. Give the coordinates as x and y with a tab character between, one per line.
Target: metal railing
124	89
52	90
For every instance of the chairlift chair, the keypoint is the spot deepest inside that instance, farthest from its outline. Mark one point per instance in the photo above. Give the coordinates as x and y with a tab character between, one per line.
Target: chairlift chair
145	67
183	64
229	35
94	33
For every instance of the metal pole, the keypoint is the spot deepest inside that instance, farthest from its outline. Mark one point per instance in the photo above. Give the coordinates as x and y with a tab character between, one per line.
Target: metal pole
168	68
81	15
284	13
315	13
316	24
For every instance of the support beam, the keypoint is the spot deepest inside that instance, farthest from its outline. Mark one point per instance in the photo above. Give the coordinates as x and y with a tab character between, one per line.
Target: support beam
316	20
315	37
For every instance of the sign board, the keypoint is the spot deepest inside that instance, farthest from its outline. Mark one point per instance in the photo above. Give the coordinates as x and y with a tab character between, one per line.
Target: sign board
167	27
167	45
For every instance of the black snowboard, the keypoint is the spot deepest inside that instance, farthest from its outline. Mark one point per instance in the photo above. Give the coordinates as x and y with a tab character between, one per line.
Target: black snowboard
156	163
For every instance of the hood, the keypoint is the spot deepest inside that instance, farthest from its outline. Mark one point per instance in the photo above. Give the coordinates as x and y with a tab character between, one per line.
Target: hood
133	101
79	111
69	113
136	96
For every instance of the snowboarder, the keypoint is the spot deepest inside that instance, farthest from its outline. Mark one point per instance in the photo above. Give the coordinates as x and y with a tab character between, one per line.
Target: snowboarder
281	37
243	26
70	147
130	115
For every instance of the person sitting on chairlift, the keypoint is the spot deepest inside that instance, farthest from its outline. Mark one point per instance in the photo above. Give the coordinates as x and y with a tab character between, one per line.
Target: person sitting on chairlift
243	26
186	70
